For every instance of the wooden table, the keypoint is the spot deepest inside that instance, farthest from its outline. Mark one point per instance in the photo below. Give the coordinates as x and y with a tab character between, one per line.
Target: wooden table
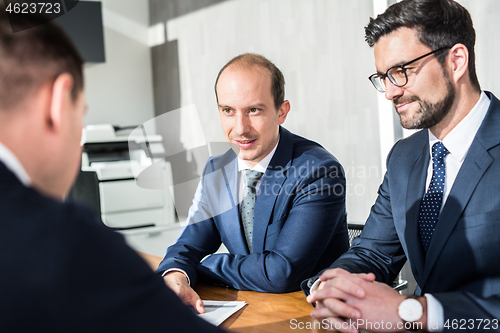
273	313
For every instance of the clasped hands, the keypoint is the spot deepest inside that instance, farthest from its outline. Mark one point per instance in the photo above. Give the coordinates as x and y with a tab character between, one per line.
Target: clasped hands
348	302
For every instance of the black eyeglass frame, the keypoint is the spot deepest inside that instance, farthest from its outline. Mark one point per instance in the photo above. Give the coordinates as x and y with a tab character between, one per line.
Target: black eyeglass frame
392	79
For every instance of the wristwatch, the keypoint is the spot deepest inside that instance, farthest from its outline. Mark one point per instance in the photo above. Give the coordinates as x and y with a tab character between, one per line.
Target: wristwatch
410	310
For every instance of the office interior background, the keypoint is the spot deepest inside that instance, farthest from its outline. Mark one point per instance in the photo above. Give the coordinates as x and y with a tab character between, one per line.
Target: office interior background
162	55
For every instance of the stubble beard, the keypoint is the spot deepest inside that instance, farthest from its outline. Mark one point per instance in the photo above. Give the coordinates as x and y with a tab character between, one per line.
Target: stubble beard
428	114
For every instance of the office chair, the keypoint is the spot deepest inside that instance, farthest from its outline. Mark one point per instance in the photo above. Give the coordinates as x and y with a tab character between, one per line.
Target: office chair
354	230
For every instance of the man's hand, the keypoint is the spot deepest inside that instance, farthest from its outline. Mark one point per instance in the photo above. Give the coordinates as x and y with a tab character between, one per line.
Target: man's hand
338	285
346	297
178	282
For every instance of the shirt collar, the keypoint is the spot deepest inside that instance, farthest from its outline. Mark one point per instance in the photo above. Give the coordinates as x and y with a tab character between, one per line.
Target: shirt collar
262	165
460	138
12	163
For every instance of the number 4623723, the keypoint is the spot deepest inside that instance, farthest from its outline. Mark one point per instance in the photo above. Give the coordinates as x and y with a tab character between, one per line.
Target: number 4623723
40	7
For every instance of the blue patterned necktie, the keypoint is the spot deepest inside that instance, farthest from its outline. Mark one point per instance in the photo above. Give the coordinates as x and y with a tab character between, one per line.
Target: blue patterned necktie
251	178
431	204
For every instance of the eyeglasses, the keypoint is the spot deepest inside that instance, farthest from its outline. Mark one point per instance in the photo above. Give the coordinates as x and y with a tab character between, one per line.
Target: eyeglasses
398	75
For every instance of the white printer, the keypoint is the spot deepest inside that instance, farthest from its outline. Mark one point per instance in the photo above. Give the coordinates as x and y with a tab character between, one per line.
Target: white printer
112	159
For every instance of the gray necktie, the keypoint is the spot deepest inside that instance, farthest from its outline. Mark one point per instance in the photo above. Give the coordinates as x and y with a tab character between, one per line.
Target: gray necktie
251	178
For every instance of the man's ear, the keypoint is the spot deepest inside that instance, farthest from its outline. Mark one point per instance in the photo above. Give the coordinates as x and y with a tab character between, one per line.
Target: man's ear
60	100
459	61
283	111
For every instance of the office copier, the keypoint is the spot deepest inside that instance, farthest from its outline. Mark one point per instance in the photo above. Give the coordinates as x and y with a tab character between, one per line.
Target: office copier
125	180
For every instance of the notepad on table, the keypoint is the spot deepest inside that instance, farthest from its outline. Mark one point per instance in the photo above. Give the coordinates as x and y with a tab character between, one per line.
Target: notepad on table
218	311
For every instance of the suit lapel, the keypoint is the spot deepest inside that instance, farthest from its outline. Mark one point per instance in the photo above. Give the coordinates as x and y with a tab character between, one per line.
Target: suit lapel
264	206
415	193
232	219
475	165
270	187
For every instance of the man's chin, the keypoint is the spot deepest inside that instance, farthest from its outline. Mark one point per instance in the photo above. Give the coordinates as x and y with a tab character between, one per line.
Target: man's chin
410	126
409	123
246	157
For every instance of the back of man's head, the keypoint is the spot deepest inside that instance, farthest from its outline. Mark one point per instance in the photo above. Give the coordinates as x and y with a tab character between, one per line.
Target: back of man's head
33	57
440	23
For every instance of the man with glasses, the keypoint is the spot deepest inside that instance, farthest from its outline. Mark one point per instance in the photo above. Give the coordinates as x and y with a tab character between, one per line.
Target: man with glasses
437	206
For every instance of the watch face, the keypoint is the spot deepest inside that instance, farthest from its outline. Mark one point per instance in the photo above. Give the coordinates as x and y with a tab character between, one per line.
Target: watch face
410	310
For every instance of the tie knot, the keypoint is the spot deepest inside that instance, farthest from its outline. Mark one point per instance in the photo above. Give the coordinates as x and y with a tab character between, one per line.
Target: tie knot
439	151
251	177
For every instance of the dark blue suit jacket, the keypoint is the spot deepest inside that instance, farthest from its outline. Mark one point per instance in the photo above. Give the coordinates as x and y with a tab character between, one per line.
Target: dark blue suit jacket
462	266
62	270
300	221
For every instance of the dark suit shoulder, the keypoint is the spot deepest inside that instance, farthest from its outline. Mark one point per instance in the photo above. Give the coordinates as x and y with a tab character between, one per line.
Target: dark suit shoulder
43	211
408	146
303	157
31	220
310	149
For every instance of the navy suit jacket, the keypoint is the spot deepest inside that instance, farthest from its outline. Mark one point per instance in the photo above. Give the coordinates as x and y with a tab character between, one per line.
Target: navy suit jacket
462	265
299	229
62	270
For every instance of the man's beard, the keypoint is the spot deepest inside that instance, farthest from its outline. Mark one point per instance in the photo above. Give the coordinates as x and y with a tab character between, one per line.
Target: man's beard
428	115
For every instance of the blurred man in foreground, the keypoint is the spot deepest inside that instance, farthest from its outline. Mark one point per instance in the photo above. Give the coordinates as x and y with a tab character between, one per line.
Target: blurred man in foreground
62	270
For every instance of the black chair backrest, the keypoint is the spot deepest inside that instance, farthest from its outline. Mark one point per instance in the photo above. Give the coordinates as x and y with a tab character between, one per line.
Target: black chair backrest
354	230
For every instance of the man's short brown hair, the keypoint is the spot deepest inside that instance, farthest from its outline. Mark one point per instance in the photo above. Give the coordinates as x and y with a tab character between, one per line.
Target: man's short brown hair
32	57
277	78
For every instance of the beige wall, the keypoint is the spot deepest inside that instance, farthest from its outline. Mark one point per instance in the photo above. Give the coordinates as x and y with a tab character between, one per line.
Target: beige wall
319	45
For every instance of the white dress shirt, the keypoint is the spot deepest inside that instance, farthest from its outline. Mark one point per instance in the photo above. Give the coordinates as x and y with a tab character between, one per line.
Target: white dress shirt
12	163
458	142
261	167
